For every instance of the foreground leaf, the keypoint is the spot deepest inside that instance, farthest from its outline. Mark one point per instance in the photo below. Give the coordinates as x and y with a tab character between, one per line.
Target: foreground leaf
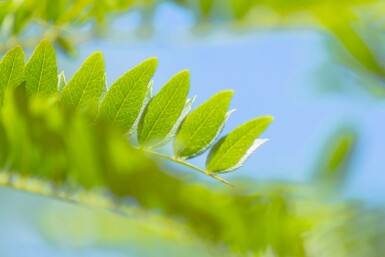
202	126
41	71
163	111
11	71
124	100
86	86
231	151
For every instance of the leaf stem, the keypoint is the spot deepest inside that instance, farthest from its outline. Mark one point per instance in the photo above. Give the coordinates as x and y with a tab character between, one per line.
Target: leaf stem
189	165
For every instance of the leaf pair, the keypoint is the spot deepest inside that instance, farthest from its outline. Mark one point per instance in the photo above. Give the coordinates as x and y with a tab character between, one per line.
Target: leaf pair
200	129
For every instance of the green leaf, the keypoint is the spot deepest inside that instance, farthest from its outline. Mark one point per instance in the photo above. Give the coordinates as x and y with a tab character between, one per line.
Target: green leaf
164	111
41	71
86	86
11	71
124	100
231	151
202	126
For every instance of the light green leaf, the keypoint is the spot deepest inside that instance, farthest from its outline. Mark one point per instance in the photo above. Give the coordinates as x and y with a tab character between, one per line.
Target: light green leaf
86	86
124	100
231	151
202	126
163	111
41	71
11	71
62	82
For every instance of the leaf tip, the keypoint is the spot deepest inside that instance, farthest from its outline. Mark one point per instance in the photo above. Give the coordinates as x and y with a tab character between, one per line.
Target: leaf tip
184	73
97	55
152	60
228	92
269	118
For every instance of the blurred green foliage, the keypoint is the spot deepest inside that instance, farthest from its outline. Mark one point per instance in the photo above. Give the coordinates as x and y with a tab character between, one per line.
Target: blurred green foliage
63	22
53	19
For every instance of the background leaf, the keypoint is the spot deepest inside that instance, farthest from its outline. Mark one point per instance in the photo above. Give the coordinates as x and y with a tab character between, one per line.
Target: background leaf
231	151
202	126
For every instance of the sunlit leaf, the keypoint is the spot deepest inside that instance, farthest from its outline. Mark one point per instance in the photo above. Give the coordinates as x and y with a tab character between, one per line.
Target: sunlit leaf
11	71
41	71
231	151
124	100
202	126
86	86
163	111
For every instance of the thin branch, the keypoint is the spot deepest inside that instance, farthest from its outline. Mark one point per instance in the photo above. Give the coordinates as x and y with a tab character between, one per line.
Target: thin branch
164	156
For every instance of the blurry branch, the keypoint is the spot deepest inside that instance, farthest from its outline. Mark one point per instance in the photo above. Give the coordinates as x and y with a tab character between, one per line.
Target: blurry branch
356	46
361	52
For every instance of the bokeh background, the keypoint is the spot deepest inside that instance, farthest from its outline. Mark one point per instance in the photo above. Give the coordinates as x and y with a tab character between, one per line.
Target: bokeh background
322	82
